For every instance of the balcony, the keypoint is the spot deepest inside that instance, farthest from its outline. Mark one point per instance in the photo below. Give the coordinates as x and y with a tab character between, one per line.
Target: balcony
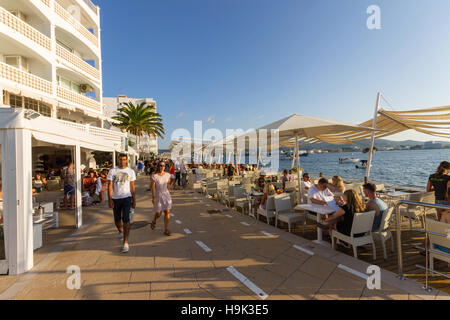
76	24
78	99
91	5
46	2
110	135
24	29
77	62
24	78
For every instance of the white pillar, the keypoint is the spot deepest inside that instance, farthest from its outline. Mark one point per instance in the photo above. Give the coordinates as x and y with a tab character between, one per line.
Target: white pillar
78	202
114	159
18	201
372	141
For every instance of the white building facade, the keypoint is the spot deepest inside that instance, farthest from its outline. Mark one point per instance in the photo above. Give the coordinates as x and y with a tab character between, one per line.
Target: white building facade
148	144
51	99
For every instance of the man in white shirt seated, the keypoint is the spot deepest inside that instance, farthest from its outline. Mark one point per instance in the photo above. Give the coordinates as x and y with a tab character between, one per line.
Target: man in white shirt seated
320	194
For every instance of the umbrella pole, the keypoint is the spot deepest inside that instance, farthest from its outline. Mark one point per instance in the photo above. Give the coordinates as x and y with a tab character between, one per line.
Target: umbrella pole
298	170
372	142
294	157
259	157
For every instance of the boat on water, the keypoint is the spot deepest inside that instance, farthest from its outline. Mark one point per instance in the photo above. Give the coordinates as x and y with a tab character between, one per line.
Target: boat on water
363	165
348	160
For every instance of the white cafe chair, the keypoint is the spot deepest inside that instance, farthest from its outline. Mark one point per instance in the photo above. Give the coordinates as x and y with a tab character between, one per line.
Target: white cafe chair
443	228
269	212
384	231
362	223
285	213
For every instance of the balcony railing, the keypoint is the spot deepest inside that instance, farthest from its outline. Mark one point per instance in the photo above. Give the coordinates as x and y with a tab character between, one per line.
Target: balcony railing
24	78
77	61
106	134
65	15
91	5
78	98
25	29
46	2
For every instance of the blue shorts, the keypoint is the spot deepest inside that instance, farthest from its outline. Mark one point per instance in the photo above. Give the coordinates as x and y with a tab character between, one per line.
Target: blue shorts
69	190
122	208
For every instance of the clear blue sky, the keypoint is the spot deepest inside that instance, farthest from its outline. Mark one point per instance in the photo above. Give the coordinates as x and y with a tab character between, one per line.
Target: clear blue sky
246	63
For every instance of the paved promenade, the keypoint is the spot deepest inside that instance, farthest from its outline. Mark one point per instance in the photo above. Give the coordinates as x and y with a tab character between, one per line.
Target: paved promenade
194	263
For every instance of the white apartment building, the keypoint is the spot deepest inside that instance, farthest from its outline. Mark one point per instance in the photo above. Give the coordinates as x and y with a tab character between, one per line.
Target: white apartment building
51	108
148	144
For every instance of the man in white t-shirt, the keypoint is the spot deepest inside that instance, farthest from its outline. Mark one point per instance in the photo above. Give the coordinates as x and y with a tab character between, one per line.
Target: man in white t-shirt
122	198
320	194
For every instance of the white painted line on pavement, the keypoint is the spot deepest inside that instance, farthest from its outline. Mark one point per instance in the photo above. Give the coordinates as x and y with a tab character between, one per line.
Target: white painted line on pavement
227	215
187	231
245	224
203	246
178	221
260	293
353	271
172	215
304	250
268	234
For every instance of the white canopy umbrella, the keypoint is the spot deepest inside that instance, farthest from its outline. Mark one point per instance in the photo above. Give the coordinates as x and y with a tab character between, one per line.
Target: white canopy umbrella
305	127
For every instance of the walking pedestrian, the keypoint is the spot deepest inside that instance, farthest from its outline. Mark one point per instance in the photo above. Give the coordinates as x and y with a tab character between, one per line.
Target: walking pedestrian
162	201
178	172
121	193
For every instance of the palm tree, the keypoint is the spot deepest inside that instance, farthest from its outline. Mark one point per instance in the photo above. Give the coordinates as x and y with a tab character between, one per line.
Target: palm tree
140	119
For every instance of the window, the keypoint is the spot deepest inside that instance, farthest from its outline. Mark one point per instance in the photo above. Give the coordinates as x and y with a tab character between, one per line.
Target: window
15	101
76	87
45	110
64	46
31	104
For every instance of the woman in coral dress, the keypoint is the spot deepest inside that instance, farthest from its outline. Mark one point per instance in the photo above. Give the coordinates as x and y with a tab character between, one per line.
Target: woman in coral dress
162	201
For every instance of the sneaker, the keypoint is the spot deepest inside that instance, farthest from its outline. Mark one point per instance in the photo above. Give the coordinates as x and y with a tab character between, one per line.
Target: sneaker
125	248
121	235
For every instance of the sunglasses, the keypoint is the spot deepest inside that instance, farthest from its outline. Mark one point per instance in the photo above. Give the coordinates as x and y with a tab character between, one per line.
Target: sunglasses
162	165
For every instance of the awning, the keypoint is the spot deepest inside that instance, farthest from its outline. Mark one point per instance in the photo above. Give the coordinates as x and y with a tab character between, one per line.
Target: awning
61	140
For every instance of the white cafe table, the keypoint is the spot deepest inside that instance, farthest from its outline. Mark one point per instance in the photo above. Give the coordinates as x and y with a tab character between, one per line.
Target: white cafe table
320	210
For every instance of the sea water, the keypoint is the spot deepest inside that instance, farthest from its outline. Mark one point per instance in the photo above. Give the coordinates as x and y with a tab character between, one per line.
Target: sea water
406	168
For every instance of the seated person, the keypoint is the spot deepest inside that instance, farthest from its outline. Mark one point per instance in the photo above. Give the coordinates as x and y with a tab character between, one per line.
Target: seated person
319	193
342	219
307	182
286	177
269	190
89	183
374	204
337	185
102	184
39	183
261	182
51	174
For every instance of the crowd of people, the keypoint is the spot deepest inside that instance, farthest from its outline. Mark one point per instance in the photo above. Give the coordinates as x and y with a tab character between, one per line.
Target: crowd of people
167	174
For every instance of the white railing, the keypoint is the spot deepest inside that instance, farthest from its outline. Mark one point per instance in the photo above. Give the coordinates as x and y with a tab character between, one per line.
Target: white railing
77	98
106	134
46	2
77	61
24	28
65	15
91	5
24	78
